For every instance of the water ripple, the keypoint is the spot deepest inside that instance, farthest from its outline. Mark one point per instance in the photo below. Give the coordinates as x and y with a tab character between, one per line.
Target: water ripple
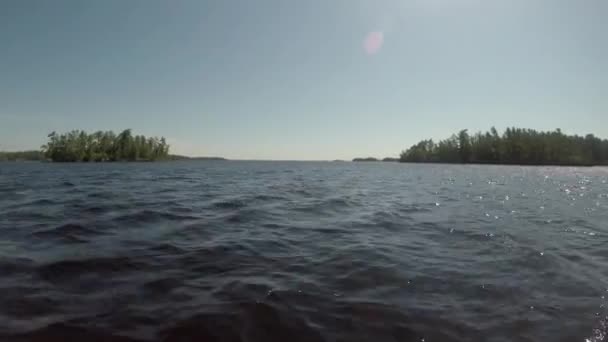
276	251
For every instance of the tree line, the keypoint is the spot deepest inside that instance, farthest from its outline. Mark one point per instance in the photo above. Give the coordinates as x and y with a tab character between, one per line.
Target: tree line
22	155
514	146
79	146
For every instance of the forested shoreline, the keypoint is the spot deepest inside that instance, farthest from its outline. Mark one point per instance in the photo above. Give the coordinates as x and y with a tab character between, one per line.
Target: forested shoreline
104	146
22	156
514	146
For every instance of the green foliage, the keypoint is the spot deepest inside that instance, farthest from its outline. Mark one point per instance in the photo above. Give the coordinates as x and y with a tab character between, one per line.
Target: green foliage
368	159
22	156
79	146
515	146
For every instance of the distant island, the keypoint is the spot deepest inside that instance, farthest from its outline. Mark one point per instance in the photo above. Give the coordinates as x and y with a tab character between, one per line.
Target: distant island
368	159
514	146
80	146
178	157
372	159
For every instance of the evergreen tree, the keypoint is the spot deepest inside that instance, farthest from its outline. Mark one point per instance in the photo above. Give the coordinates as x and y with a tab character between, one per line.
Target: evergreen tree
515	146
79	146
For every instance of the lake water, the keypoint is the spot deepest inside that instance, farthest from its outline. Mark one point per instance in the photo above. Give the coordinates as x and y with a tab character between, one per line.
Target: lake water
302	251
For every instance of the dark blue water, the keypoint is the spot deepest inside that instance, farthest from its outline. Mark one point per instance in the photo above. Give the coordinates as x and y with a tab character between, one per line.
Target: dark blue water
296	251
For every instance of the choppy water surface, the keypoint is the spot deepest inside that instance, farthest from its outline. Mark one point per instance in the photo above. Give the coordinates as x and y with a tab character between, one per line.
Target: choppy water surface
294	251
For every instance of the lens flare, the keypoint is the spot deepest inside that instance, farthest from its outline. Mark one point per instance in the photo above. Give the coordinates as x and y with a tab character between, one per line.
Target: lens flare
373	42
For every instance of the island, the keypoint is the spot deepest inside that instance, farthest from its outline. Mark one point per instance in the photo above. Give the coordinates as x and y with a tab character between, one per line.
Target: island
179	157
80	146
514	146
390	159
368	159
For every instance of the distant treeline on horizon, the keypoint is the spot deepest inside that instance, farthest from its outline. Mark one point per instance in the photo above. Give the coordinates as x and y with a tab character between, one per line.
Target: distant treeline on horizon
514	146
22	156
79	146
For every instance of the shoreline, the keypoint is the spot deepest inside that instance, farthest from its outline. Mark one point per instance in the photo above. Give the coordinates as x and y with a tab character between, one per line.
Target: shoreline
298	161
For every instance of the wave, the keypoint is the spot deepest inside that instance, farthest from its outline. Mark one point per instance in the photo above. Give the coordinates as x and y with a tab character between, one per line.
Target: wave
254	322
272	320
166	249
204	327
162	286
327	205
391	221
268	198
28	215
95	210
33	204
23	306
70	233
67	229
230	204
414	208
247	216
70	269
151	216
600	333
11	266
66	332
101	195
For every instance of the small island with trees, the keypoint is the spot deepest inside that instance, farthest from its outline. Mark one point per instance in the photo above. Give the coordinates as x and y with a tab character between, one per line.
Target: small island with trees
101	146
514	146
368	159
79	146
372	159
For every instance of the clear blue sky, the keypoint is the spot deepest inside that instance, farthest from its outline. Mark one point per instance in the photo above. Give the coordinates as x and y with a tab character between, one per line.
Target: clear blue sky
283	79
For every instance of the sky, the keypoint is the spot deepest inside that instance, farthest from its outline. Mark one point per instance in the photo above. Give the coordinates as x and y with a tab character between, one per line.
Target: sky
300	80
